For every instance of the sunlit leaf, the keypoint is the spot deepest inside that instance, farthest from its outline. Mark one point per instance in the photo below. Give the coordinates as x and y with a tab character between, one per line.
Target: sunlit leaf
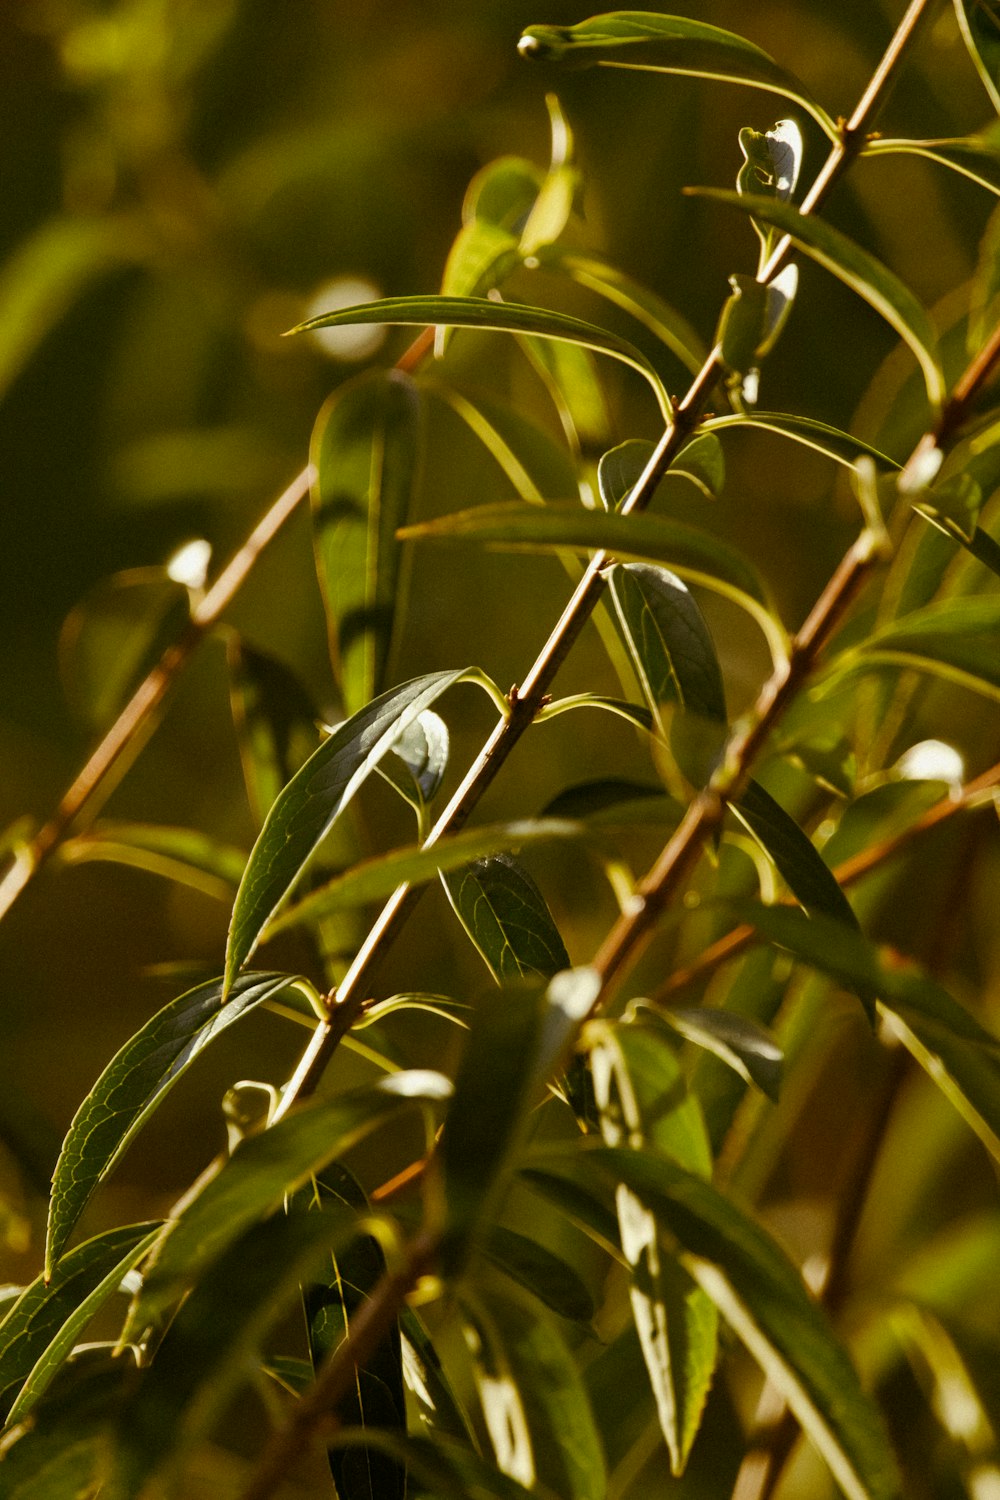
551	209
506	916
425	1376
134	1083
366	448
840	446
750	1049
261	1171
955	639
571	376
669	44
974	156
423	749
534	1402
482	256
313	800
85	1276
276	722
978	24
858	269
762	1296
502	317
181	854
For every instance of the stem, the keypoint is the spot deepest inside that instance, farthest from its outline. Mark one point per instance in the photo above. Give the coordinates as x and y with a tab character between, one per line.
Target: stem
530	696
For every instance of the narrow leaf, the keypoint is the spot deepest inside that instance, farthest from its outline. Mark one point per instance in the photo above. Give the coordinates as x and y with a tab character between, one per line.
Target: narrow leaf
366	448
505	915
645	306
132	1085
613	800
830	441
276	722
424	1373
668	640
540	1271
796	857
181	854
669	44
955	639
977	22
313	800
750	1049
974	156
261	1171
858	269
500	317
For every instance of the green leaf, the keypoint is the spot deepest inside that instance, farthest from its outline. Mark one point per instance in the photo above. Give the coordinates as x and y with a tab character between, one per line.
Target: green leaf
423	749
795	856
974	156
276	722
551	210
261	1171
842	447
366	448
501	317
53	1357
858	269
751	322
750	1049
668	640
762	1296
34	1323
620	469
375	879
551	1279
954	639
441	1469
694	555
55	1456
181	854
978	24
534	1402
669	44
505	915
312	801
569	371
377	1399
482	257
132	1086
518	1038
425	1376
957	1053
503	193
645	306
206	1351
613	800
641	1098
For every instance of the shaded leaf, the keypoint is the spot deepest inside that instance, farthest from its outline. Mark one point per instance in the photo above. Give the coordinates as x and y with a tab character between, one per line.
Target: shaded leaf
613	800
761	1294
539	1270
978	24
425	1376
975	156
375	879
181	854
668	640
132	1085
313	800
442	1470
276	722
569	371
260	1172
366	448
423	748
534	1402
550	211
506	916
669	44
598	275
795	856
750	1049
955	639
34	1322
55	1455
842	447
858	269
502	317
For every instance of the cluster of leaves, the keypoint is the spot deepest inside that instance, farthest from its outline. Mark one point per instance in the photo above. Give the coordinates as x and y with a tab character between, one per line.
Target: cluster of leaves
603	1352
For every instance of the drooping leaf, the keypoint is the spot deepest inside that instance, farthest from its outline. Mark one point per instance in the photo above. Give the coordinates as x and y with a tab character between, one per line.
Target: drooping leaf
840	446
762	1296
518	1037
955	639
35	1320
502	317
261	1171
977	22
534	1402
507	918
205	1352
502	193
134	1083
377	1399
181	854
796	857
375	879
423	749
540	1271
366	448
551	210
276	722
642	1100
570	373
613	800
858	269
974	156
313	800
750	1049
598	275
669	44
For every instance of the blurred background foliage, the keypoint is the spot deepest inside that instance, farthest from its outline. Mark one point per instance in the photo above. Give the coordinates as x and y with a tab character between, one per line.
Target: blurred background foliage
184	180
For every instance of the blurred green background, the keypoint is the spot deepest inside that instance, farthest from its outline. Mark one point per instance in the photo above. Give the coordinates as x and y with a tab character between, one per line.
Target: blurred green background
182	180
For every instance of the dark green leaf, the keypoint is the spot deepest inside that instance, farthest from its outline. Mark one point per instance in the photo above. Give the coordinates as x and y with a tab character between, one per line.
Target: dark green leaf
261	1171
669	44
442	1470
313	800
645	306
956	639
440	1408
840	446
181	854
366	450
423	749
276	722
751	322
796	857
703	462
502	317
505	915
534	1401
748	1048
760	1293
668	640
858	269
55	1456
550	1278
621	468
613	800
36	1319
977	22
974	156
134	1083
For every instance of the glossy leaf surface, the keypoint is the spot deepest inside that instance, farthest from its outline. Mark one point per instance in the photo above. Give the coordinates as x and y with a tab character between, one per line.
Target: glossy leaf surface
313	800
506	916
796	857
750	1049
